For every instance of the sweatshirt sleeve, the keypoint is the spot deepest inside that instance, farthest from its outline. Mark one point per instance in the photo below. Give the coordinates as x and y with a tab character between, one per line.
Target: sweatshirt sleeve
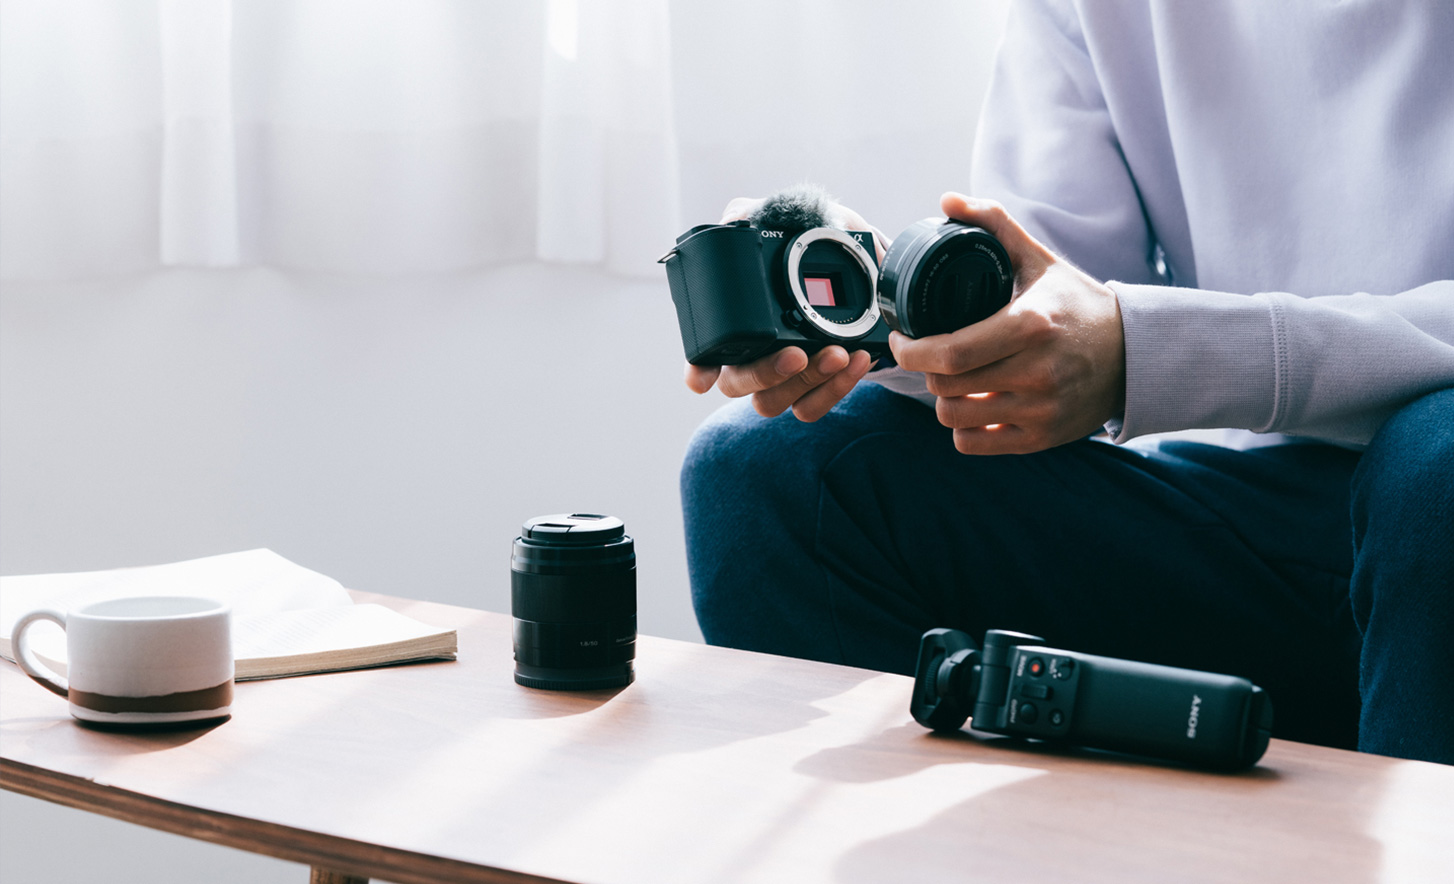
1046	147
1049	148
1333	368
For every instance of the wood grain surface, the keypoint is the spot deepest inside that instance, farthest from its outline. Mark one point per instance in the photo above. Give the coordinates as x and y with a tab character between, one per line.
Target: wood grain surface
716	766
323	876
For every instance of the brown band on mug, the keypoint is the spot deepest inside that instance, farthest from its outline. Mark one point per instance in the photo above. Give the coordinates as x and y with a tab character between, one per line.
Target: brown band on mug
183	701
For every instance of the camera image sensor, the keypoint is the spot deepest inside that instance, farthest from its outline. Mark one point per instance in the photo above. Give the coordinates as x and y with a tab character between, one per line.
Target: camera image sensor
820	291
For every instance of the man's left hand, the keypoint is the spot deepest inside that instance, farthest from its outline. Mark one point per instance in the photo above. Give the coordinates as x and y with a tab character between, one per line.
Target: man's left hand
1048	368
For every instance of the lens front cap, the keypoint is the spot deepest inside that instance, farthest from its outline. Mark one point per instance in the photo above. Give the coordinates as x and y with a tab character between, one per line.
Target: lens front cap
573	529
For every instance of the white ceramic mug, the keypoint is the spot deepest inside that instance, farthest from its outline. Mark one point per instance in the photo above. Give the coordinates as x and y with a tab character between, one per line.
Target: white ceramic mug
139	661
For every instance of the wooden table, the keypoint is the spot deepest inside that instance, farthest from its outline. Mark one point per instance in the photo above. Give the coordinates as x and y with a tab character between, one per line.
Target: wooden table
716	766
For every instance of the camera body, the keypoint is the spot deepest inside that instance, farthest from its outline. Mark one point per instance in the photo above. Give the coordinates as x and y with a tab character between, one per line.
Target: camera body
741	291
1017	686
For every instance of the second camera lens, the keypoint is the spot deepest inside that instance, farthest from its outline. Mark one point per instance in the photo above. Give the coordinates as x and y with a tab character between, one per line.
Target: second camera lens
573	595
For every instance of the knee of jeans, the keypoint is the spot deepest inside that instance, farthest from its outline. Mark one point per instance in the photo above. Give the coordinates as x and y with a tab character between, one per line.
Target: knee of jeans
723	445
1403	506
745	499
737	450
1407	472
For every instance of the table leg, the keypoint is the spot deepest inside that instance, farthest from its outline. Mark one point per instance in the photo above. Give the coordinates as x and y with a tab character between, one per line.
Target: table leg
326	876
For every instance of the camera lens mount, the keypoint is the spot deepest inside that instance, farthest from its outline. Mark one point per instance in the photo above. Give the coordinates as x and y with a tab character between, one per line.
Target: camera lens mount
860	261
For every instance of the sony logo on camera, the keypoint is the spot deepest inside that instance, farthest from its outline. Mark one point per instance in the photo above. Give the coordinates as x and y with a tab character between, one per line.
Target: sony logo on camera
1191	723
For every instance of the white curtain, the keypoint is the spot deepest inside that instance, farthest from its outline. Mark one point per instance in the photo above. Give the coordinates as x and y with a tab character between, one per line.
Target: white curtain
421	136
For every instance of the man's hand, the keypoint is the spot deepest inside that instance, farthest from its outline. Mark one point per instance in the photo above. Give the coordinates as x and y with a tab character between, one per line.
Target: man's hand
787	378
1048	368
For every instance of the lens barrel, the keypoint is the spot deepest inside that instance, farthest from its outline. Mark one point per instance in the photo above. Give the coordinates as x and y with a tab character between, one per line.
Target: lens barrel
573	596
940	276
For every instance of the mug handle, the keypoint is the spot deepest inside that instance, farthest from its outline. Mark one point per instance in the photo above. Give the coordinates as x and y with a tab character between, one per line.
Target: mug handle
27	659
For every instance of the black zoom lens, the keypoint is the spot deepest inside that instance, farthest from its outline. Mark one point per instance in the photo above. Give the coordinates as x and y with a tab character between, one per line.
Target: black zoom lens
573	594
940	276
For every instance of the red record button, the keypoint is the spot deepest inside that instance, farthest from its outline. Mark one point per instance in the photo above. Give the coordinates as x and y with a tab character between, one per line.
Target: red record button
1036	666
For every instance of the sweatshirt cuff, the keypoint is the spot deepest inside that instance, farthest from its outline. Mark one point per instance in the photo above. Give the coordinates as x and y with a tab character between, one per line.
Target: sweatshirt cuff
905	383
1197	360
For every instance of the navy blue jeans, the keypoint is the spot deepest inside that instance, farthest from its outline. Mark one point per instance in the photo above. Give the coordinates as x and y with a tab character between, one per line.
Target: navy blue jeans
846	539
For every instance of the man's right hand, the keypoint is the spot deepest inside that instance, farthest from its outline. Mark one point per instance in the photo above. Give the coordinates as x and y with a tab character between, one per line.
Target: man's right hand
787	378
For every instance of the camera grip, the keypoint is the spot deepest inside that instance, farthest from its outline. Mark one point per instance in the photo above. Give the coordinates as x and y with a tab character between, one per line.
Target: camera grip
720	291
1202	718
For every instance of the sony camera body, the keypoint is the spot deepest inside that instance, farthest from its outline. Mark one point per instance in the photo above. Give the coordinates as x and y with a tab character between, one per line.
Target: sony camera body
786	276
742	290
1019	687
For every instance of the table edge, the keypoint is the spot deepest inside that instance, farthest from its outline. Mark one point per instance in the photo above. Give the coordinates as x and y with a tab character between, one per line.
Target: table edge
255	836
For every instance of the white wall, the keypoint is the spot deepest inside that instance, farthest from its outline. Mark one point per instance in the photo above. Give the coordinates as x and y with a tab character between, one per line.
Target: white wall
392	433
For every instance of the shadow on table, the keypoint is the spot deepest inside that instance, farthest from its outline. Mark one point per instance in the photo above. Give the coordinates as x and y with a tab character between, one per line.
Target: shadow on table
676	707
1095	816
535	703
907	749
65	733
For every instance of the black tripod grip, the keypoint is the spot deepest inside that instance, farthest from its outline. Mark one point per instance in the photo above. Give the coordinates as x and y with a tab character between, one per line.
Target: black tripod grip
1202	718
1019	687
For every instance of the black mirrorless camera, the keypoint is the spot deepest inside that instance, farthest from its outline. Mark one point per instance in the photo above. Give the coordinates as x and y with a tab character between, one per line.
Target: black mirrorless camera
1019	687
785	277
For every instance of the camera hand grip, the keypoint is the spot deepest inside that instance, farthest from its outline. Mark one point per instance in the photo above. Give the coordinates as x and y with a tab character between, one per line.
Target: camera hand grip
1201	718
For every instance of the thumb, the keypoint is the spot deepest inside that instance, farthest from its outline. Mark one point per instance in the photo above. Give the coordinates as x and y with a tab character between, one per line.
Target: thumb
1026	253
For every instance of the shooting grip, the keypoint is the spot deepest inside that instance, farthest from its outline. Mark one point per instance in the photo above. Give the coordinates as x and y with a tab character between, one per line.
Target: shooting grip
1202	718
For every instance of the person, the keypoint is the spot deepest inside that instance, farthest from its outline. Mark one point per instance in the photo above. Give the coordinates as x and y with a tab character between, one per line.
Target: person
1234	215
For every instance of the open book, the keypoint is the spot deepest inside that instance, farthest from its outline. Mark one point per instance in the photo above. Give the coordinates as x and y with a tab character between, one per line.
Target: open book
286	619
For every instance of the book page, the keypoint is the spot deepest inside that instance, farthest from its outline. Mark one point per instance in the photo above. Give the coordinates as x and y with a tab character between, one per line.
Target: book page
320	630
255	583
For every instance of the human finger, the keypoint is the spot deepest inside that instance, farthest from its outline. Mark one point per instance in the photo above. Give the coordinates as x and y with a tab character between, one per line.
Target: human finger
840	215
740	208
820	400
1021	373
1011	424
995	439
700	378
826	363
979	410
974	346
760	374
1026	253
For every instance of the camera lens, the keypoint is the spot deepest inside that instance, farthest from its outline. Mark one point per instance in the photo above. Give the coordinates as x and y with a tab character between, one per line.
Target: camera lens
573	596
940	276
